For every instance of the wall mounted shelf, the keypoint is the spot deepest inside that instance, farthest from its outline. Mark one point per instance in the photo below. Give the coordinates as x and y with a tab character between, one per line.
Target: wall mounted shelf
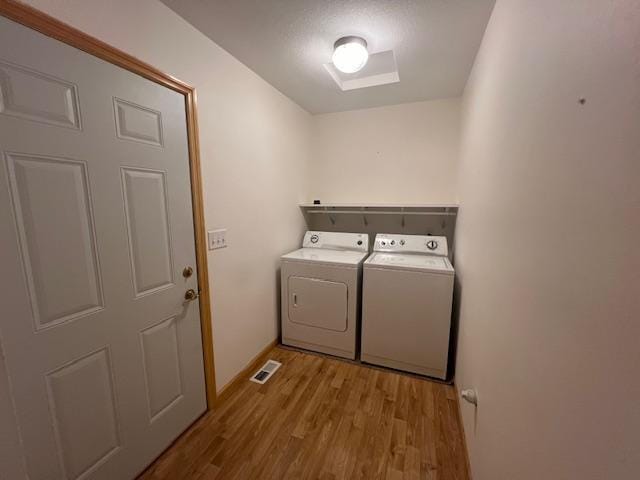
380	209
436	219
381	205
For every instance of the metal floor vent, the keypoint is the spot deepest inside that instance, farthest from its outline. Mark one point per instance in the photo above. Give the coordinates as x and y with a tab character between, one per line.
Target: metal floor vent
264	374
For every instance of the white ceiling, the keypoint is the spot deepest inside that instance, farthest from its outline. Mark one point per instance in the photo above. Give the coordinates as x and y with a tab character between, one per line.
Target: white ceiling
287	41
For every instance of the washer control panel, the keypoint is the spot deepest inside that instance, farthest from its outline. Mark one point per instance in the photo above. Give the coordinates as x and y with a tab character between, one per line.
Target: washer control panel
425	244
337	241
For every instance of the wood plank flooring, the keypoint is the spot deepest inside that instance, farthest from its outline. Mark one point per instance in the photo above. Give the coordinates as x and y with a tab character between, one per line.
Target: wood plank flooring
321	418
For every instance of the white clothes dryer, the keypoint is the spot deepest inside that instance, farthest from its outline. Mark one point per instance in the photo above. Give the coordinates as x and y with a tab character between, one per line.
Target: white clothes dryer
320	290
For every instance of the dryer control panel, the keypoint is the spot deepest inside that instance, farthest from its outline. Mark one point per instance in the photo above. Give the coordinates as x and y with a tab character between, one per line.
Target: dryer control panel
424	244
336	241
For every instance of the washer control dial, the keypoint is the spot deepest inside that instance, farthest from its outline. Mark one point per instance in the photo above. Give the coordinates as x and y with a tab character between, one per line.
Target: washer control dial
314	238
432	244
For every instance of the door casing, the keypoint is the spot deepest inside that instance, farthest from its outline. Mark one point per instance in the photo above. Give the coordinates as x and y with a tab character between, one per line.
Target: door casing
51	27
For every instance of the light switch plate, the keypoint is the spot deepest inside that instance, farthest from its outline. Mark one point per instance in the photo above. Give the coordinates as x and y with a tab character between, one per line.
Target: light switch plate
217	238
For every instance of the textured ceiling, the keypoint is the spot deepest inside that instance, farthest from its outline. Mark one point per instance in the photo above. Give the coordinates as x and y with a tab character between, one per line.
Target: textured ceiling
287	41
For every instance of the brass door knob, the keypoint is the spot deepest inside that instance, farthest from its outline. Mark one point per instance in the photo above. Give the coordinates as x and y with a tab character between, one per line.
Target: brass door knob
190	295
187	272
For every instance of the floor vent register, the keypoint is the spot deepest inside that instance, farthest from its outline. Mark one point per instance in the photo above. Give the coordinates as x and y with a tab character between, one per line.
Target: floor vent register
265	373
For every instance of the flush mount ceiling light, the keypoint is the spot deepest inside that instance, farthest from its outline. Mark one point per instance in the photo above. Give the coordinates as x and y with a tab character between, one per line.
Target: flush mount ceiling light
350	54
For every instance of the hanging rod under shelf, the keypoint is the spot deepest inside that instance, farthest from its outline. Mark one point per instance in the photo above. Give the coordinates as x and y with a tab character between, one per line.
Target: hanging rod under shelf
379	212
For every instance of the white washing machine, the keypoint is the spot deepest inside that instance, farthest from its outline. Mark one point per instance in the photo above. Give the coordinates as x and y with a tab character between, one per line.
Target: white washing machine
407	299
320	292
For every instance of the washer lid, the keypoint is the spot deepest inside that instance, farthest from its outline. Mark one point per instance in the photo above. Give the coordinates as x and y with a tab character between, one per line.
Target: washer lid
423	263
320	255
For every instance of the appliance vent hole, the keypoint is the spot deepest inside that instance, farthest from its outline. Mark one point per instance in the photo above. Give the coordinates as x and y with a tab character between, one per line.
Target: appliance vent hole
265	373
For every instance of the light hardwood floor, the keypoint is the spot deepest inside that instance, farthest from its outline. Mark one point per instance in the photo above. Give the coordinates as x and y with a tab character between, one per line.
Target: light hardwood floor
321	418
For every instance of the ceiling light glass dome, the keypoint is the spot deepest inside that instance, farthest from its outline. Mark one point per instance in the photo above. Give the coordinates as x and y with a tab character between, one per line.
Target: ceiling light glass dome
350	54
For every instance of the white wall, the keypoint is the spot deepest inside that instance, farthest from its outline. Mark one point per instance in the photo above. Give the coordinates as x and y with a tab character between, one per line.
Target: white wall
404	153
255	152
550	311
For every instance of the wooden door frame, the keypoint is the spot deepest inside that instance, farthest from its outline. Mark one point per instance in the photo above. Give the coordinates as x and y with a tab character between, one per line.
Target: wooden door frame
54	28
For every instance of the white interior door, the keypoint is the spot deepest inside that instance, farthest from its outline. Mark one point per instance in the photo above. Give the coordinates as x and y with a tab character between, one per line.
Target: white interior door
103	357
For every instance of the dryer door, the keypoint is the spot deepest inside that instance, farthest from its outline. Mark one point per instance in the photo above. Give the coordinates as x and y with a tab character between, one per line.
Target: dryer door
318	303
